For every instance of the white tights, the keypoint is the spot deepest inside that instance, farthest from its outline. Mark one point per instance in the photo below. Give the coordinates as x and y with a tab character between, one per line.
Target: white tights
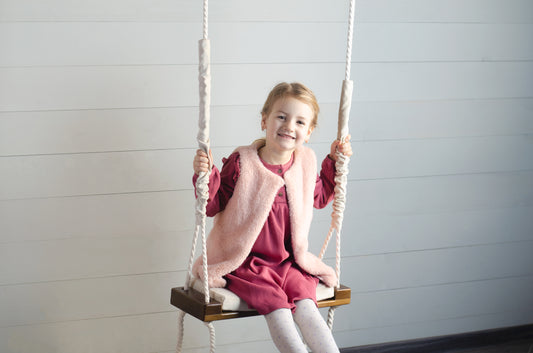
314	329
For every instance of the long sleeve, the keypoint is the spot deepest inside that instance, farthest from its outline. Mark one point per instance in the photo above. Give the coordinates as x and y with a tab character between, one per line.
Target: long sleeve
325	184
221	184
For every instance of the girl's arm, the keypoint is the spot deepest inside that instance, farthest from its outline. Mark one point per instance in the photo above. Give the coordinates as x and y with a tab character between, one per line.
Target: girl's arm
325	184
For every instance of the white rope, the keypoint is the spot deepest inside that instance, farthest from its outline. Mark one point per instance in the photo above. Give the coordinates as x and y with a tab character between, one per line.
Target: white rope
212	342
337	216
181	317
202	183
350	39
191	259
202	187
331	316
341	175
339	205
201	203
205	17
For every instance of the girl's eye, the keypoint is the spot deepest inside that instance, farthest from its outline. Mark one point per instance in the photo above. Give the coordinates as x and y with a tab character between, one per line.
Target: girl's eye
301	122
281	117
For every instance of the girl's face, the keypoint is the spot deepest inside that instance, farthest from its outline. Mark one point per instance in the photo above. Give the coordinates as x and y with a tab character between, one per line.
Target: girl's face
288	125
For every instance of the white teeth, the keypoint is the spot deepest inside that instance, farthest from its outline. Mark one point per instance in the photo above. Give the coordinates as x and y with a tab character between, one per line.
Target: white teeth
286	135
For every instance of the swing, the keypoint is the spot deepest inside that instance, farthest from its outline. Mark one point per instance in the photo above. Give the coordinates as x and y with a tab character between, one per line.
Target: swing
224	304
211	304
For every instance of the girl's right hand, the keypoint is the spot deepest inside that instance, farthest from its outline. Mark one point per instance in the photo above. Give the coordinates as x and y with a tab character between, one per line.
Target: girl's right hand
202	162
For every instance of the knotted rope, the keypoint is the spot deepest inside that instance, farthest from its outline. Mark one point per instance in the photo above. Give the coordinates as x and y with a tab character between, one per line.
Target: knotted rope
202	188
341	165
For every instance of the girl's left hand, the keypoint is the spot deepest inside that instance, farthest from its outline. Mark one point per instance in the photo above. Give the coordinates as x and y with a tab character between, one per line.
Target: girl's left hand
344	147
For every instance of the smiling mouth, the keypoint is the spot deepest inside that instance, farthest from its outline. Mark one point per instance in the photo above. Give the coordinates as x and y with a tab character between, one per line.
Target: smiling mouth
287	136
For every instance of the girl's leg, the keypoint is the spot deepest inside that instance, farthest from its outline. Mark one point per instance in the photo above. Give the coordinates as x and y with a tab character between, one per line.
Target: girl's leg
284	332
313	327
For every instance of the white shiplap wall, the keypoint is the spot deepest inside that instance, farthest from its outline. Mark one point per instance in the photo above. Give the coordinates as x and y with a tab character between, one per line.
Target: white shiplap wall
97	132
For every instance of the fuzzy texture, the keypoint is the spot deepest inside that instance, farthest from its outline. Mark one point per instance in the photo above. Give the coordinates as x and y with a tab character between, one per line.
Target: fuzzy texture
235	229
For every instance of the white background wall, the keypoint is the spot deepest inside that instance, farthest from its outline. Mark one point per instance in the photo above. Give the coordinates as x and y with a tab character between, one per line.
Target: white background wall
98	106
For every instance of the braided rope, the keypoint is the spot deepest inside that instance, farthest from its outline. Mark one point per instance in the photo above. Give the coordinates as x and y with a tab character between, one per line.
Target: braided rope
339	205
191	258
202	183
212	342
331	316
203	194
349	40
205	19
181	317
341	175
202	187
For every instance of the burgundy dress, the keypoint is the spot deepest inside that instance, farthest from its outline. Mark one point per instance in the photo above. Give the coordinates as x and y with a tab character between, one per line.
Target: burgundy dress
269	278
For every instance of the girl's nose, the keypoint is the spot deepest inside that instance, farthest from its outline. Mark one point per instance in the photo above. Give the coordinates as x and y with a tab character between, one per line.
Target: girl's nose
290	124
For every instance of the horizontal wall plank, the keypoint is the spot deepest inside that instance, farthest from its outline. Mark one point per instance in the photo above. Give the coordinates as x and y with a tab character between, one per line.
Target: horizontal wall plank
437	119
424	329
388	42
154	253
90	174
435	303
129	333
441	156
458	193
242	10
135	334
449	11
264	346
104	43
100	216
384	233
134	214
28	89
68	259
158	170
94	298
41	303
51	132
423	268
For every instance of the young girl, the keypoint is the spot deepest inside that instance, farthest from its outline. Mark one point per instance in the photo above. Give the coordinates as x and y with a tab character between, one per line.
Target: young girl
263	200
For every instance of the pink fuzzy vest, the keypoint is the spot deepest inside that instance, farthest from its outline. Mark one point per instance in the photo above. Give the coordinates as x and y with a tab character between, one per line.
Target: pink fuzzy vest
235	229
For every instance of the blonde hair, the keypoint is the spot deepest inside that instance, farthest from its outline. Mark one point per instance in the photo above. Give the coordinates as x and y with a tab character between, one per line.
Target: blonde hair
295	90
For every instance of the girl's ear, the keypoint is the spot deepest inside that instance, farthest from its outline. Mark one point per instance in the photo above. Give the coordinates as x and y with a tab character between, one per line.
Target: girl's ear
309	132
263	122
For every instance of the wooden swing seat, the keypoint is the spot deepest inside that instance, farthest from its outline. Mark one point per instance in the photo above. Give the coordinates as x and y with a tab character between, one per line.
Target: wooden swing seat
192	302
